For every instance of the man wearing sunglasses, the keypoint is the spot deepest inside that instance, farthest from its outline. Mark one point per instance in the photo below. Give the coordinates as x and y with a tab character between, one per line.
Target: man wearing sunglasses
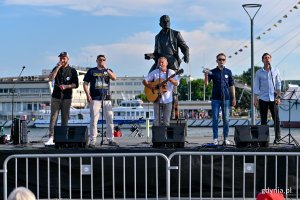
223	95
97	89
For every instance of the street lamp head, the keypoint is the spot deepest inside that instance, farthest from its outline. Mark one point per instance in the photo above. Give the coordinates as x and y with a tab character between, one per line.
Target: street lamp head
252	6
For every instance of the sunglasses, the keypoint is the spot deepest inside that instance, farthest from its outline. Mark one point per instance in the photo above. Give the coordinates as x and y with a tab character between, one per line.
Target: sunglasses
101	59
221	59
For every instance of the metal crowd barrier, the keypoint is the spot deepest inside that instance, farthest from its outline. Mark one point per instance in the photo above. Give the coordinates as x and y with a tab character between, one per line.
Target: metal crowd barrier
235	175
47	168
198	175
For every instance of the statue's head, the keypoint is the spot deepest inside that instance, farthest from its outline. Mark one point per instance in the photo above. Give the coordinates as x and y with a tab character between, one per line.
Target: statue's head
164	22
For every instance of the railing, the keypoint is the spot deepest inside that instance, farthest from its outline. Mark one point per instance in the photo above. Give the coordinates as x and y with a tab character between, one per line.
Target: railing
219	175
197	175
96	180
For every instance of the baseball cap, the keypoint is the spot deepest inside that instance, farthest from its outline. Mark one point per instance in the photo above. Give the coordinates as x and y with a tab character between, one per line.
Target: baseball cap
99	56
63	54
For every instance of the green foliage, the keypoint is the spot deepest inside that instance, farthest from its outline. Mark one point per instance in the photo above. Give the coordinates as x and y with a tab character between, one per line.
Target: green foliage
246	75
142	97
197	88
183	90
245	99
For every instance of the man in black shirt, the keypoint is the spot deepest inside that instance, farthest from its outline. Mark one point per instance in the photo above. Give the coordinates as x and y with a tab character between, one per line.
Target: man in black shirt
65	79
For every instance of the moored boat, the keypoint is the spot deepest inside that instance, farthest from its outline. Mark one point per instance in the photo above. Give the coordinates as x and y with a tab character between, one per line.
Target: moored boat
127	113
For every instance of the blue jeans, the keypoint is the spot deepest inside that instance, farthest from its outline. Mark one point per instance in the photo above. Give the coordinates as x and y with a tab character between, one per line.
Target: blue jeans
215	106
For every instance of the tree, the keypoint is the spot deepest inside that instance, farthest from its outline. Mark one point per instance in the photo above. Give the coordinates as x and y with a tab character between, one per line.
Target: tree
142	97
244	78
183	90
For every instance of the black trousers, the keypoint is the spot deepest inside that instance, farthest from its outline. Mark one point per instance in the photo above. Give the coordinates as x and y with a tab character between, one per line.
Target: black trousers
264	106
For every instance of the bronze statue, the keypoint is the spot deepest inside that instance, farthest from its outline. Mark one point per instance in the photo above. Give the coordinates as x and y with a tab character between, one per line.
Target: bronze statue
167	42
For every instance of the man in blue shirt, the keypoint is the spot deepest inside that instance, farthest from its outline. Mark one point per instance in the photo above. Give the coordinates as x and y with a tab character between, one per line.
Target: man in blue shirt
223	94
267	91
98	78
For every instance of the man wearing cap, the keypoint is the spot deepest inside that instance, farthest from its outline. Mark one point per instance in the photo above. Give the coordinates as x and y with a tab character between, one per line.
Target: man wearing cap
65	79
97	89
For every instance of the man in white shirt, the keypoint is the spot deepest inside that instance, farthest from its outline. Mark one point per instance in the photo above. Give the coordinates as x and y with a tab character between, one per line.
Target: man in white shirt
267	93
164	102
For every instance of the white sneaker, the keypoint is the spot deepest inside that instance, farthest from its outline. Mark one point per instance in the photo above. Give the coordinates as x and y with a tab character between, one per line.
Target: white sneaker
216	142
50	141
227	142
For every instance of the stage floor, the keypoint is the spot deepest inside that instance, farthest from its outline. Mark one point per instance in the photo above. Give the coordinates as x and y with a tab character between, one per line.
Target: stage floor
193	144
135	144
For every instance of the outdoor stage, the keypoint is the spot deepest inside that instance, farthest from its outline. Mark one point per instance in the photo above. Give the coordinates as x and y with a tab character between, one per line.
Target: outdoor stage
203	170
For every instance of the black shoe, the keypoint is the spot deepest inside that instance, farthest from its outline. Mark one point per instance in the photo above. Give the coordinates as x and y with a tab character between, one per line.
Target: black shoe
277	140
113	143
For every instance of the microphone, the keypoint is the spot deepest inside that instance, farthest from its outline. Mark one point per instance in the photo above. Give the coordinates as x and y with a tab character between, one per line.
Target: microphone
24	67
206	70
269	64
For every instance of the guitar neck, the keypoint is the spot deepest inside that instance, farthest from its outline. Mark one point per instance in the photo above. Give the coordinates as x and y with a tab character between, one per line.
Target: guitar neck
163	82
173	75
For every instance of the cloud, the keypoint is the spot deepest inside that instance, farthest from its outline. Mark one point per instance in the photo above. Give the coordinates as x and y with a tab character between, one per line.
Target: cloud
208	26
97	7
127	56
213	27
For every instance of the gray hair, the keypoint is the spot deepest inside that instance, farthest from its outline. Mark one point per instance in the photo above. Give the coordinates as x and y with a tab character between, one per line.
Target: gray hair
21	193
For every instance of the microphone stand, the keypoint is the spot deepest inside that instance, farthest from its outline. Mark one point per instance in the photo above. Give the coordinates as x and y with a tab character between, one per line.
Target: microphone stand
224	112
159	97
12	103
102	103
80	116
275	107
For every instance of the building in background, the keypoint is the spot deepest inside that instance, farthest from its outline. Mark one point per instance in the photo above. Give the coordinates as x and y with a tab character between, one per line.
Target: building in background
32	94
126	88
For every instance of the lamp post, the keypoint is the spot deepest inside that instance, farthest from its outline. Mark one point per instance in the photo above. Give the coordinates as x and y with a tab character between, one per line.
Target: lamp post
257	7
190	89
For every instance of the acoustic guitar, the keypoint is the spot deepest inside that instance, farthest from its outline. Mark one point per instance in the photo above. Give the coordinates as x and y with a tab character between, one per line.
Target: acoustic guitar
160	86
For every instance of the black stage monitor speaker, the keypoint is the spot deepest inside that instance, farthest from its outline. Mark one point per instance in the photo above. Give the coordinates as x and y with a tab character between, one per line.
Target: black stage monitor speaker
172	136
70	136
19	131
251	135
